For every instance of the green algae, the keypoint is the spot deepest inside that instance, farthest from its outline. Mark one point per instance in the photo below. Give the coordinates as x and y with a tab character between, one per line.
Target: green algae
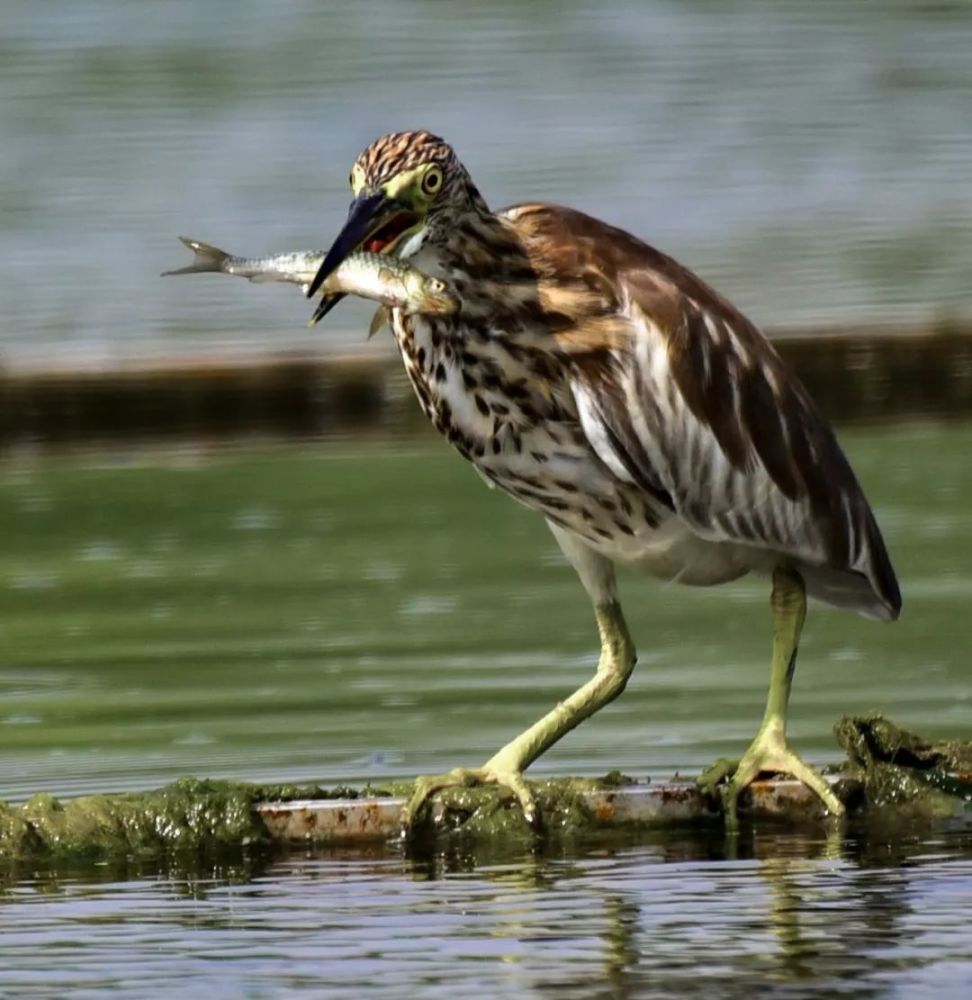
193	815
188	815
904	777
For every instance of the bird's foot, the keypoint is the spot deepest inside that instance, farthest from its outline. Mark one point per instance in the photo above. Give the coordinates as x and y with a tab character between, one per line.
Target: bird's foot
493	772
769	753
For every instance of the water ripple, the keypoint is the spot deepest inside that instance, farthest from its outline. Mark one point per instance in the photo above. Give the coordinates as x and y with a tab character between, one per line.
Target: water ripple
679	918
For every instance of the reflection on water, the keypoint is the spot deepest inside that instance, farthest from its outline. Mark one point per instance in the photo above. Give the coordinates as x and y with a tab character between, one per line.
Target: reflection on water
680	915
810	159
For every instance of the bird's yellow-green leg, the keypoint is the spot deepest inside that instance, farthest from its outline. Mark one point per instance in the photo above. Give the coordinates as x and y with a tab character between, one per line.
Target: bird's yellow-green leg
770	751
505	768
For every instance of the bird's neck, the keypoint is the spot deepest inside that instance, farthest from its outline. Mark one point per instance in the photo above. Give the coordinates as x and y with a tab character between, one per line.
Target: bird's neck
481	256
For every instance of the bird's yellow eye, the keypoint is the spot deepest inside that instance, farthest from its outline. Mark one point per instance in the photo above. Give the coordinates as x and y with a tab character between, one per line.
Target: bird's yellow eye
432	180
351	180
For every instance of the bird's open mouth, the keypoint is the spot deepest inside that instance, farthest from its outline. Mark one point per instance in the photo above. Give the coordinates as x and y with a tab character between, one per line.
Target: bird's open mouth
390	232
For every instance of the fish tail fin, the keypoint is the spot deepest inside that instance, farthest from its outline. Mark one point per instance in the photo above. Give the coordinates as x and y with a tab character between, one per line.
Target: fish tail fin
207	258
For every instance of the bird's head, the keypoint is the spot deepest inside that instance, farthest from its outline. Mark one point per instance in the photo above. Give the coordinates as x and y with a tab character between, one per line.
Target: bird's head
406	186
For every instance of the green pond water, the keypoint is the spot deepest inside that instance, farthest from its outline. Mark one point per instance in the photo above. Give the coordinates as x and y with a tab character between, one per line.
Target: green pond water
342	613
332	614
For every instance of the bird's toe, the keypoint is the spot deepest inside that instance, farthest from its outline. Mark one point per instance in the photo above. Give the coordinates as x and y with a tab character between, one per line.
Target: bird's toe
426	787
715	775
769	753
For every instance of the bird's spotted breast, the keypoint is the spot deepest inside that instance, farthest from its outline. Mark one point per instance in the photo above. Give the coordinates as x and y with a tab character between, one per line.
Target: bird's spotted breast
521	431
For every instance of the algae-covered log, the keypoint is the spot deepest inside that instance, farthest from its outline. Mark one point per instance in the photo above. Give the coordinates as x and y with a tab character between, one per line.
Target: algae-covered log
568	808
193	815
890	774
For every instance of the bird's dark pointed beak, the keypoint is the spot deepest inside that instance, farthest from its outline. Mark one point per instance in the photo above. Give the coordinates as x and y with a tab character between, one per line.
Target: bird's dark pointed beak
367	213
327	303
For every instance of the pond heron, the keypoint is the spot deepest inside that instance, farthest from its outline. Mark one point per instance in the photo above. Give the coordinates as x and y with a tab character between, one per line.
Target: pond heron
603	384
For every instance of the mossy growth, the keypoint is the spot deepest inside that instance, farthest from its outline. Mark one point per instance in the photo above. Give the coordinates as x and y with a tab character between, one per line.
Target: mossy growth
486	813
491	814
906	778
188	815
193	815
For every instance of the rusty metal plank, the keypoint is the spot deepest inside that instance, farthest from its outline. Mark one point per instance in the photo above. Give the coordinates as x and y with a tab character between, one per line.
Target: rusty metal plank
368	819
322	820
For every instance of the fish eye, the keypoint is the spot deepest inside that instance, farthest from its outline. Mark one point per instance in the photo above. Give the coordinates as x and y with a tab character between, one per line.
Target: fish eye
432	180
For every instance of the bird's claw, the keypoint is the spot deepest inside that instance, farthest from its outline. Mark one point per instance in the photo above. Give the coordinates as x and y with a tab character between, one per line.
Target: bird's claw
468	777
712	777
769	753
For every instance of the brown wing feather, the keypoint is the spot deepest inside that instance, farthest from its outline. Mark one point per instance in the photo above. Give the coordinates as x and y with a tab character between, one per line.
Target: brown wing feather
696	403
